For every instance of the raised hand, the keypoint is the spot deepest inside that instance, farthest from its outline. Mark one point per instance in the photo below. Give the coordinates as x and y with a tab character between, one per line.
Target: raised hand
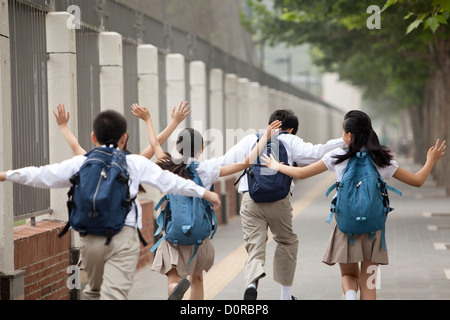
140	112
184	109
273	128
61	117
437	151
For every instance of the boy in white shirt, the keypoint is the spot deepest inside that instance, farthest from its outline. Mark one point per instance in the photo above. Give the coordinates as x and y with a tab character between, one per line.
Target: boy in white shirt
277	215
110	269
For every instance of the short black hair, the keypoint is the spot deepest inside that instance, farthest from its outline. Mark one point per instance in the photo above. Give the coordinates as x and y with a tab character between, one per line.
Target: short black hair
288	120
109	126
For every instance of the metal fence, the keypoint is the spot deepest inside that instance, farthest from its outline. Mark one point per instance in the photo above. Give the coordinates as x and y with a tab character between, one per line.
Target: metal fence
88	83
29	102
29	75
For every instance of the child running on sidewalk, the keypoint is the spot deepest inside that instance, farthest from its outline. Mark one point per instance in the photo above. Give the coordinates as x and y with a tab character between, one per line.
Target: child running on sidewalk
110	268
173	261
359	136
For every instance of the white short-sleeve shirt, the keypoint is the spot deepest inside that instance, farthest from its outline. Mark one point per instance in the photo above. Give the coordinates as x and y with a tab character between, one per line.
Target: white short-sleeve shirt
209	172
330	162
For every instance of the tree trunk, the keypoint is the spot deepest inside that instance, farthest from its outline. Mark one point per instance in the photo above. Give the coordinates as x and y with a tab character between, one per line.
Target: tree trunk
435	112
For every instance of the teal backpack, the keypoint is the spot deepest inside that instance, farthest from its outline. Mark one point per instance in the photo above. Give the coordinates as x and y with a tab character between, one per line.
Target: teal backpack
361	204
186	220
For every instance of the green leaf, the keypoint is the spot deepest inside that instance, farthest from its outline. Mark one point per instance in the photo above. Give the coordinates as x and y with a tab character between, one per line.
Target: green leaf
388	4
289	16
432	23
441	19
413	25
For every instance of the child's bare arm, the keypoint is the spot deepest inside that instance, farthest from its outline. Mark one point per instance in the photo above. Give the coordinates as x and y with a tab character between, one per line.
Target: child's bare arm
61	119
417	179
251	157
178	115
256	151
144	114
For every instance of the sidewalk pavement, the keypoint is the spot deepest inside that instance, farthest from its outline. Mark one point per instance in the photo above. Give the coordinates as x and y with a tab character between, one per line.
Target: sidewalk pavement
417	236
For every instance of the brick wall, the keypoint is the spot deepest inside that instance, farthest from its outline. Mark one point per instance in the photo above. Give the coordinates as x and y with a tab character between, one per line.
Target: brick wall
45	259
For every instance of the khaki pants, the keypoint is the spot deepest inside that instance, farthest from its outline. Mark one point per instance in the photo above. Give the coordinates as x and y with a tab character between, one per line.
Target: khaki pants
256	218
110	269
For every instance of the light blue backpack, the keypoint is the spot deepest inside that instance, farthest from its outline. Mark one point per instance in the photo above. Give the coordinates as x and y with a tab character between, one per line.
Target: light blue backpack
361	204
186	220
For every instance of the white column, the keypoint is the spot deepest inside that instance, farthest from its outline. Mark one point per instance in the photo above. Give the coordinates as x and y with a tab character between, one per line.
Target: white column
6	189
197	80
231	101
263	113
254	107
148	88
243	103
62	88
111	71
217	121
175	90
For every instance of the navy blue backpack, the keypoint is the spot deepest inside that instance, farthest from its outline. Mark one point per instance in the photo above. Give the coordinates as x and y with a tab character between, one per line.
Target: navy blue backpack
264	184
361	204
99	199
186	220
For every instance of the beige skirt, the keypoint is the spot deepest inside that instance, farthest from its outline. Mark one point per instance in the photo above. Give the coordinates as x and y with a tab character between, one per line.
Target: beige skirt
339	249
168	257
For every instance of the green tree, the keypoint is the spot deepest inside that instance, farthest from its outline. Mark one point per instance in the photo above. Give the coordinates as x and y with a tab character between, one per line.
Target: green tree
399	54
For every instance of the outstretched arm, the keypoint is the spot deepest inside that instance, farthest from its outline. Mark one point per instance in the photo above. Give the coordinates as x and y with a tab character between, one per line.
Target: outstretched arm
254	153
61	119
178	115
296	172
416	180
144	114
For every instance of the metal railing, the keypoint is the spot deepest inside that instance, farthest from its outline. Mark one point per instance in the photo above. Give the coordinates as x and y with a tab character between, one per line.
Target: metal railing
29	75
29	103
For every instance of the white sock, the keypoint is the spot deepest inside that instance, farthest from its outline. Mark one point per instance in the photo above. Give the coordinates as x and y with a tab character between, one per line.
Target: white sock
286	293
350	295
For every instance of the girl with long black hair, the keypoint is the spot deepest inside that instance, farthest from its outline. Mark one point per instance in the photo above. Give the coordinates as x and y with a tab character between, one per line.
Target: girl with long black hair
173	261
359	136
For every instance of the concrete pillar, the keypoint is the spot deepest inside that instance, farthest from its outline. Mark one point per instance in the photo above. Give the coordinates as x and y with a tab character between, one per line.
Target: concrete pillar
62	88
231	119
254	106
148	88
6	189
11	281
217	119
111	71
175	90
230	109
263	113
197	80
243	103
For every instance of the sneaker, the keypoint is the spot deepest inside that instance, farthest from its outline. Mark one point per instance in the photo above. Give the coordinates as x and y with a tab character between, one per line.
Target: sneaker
179	291
250	293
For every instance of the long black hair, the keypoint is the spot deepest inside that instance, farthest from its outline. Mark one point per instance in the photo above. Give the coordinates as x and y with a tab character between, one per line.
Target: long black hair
360	125
189	144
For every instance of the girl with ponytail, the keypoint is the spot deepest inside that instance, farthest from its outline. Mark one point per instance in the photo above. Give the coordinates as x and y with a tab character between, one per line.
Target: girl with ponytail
359	136
173	261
